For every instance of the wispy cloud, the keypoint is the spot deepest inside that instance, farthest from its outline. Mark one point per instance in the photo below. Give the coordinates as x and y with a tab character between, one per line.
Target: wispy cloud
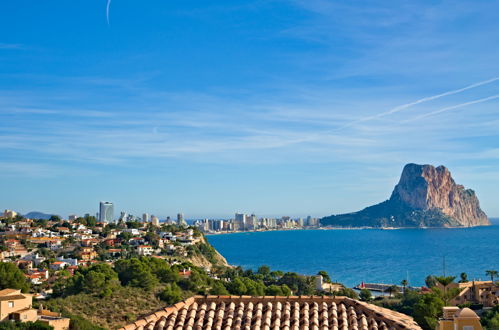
432	98
220	129
10	46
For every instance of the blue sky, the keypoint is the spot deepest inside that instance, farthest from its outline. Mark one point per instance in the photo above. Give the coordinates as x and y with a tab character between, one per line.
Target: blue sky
274	107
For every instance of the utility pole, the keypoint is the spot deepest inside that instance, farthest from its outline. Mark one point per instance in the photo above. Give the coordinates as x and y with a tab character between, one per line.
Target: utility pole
444	265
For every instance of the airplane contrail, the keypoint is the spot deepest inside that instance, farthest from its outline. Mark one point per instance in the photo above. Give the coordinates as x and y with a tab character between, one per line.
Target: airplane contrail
452	107
425	99
422	100
107	10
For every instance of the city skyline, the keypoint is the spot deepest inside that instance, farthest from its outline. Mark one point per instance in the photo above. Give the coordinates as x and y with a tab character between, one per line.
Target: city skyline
277	107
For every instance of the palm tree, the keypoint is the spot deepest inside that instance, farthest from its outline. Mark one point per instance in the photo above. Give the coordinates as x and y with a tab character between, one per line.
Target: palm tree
404	284
445	280
464	278
392	289
446	295
492	274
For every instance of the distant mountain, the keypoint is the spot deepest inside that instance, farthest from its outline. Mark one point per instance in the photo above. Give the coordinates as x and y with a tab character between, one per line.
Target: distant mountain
37	215
424	197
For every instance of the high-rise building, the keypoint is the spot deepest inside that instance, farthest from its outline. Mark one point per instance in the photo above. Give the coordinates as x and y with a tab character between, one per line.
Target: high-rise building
123	216
72	217
251	222
106	212
240	221
169	221
154	220
312	222
145	217
181	220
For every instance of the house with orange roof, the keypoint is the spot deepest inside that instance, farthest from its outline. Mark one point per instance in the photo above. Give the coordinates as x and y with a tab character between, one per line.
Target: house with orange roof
114	252
274	312
476	292
89	242
58	265
144	250
88	254
17	306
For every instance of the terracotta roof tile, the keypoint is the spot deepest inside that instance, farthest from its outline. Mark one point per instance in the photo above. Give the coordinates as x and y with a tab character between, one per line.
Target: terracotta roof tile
272	313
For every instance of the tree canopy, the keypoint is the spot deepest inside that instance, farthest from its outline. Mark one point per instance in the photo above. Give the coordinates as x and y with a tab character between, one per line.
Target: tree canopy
11	277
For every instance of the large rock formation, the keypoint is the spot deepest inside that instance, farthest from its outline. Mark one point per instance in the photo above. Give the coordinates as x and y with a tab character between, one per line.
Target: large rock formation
424	197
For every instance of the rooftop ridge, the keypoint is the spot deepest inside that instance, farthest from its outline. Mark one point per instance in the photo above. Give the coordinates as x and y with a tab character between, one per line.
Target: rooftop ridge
264	311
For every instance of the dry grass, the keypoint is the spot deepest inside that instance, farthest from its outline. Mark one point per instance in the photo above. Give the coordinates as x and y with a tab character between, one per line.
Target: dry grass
124	306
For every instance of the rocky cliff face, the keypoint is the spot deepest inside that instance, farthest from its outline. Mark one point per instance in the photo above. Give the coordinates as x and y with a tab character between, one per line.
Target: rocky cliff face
424	197
425	187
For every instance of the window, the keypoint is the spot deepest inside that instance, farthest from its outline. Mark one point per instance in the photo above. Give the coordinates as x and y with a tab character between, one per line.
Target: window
468	327
11	304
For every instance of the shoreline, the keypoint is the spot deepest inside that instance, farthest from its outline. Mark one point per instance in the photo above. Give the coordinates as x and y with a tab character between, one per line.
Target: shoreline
338	228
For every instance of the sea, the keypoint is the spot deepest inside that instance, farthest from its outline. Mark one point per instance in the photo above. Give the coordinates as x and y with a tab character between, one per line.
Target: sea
352	256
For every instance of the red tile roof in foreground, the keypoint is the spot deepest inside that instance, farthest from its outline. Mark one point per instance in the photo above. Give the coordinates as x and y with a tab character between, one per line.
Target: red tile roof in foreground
269	312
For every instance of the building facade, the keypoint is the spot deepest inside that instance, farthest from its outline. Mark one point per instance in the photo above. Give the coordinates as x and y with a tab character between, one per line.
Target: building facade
459	319
106	212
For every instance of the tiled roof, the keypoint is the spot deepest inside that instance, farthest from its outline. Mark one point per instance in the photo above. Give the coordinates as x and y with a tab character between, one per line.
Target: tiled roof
13	297
8	291
245	312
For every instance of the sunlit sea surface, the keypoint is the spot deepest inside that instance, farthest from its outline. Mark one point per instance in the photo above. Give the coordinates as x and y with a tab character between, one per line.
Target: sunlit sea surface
369	255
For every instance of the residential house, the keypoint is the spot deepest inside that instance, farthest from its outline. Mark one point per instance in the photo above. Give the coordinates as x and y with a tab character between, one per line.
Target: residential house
114	252
111	242
304	312
88	253
58	265
24	264
35	258
37	276
15	305
137	241
477	292
454	318
89	242
70	261
144	250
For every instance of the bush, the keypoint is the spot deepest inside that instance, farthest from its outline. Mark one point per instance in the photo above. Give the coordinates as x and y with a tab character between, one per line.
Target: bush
8	325
365	295
171	294
347	292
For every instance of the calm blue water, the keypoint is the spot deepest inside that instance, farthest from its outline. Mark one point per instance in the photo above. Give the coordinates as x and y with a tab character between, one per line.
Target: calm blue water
352	256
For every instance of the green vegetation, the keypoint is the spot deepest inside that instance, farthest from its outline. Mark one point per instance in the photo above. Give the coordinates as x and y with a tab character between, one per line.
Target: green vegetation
492	274
365	295
425	308
136	286
447	294
392	290
12	277
404	284
347	292
8	325
325	276
490	318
